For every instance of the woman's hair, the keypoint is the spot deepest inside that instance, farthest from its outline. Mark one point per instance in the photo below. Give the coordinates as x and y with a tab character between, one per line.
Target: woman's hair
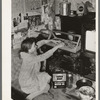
26	44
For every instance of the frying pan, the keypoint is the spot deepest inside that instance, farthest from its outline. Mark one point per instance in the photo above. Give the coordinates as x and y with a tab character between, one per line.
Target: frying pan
83	82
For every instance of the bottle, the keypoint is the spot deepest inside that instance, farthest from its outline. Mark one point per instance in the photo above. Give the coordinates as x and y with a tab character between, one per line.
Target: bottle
69	81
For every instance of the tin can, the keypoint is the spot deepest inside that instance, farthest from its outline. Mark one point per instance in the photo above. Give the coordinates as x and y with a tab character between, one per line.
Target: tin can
69	81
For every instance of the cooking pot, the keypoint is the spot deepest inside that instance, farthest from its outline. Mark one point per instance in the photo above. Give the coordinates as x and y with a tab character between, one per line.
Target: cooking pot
65	8
83	82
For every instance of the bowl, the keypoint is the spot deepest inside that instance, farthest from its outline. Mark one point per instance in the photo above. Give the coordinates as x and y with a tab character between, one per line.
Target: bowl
83	82
86	93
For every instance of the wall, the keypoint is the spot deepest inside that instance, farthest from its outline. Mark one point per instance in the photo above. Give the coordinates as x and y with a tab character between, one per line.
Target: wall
23	6
32	4
17	7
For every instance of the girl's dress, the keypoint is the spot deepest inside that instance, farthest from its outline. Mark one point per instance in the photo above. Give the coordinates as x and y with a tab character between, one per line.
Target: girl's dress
31	80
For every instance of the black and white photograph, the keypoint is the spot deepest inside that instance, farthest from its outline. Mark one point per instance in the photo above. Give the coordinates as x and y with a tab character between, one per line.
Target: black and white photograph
53	47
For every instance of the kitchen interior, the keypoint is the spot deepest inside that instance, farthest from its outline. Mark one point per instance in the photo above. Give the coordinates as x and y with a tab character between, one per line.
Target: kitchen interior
72	66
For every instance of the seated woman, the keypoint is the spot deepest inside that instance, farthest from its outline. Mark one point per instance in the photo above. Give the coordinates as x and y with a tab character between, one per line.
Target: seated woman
31	80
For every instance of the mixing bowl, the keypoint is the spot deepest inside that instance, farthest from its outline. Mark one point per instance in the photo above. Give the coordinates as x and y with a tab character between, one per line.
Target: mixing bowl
86	93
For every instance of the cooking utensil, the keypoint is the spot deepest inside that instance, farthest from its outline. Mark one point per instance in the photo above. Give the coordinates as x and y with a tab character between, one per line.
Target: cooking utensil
83	82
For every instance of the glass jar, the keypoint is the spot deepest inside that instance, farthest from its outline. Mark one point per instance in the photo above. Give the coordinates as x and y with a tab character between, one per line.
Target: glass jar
69	80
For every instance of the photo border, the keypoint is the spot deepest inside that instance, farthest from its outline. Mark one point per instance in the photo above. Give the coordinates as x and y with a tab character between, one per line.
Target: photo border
0	50
98	49
6	3
6	50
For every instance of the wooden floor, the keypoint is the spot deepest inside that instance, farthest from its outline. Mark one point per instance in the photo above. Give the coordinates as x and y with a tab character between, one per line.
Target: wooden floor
53	94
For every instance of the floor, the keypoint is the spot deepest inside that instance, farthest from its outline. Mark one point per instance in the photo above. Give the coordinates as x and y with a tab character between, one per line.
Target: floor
53	94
